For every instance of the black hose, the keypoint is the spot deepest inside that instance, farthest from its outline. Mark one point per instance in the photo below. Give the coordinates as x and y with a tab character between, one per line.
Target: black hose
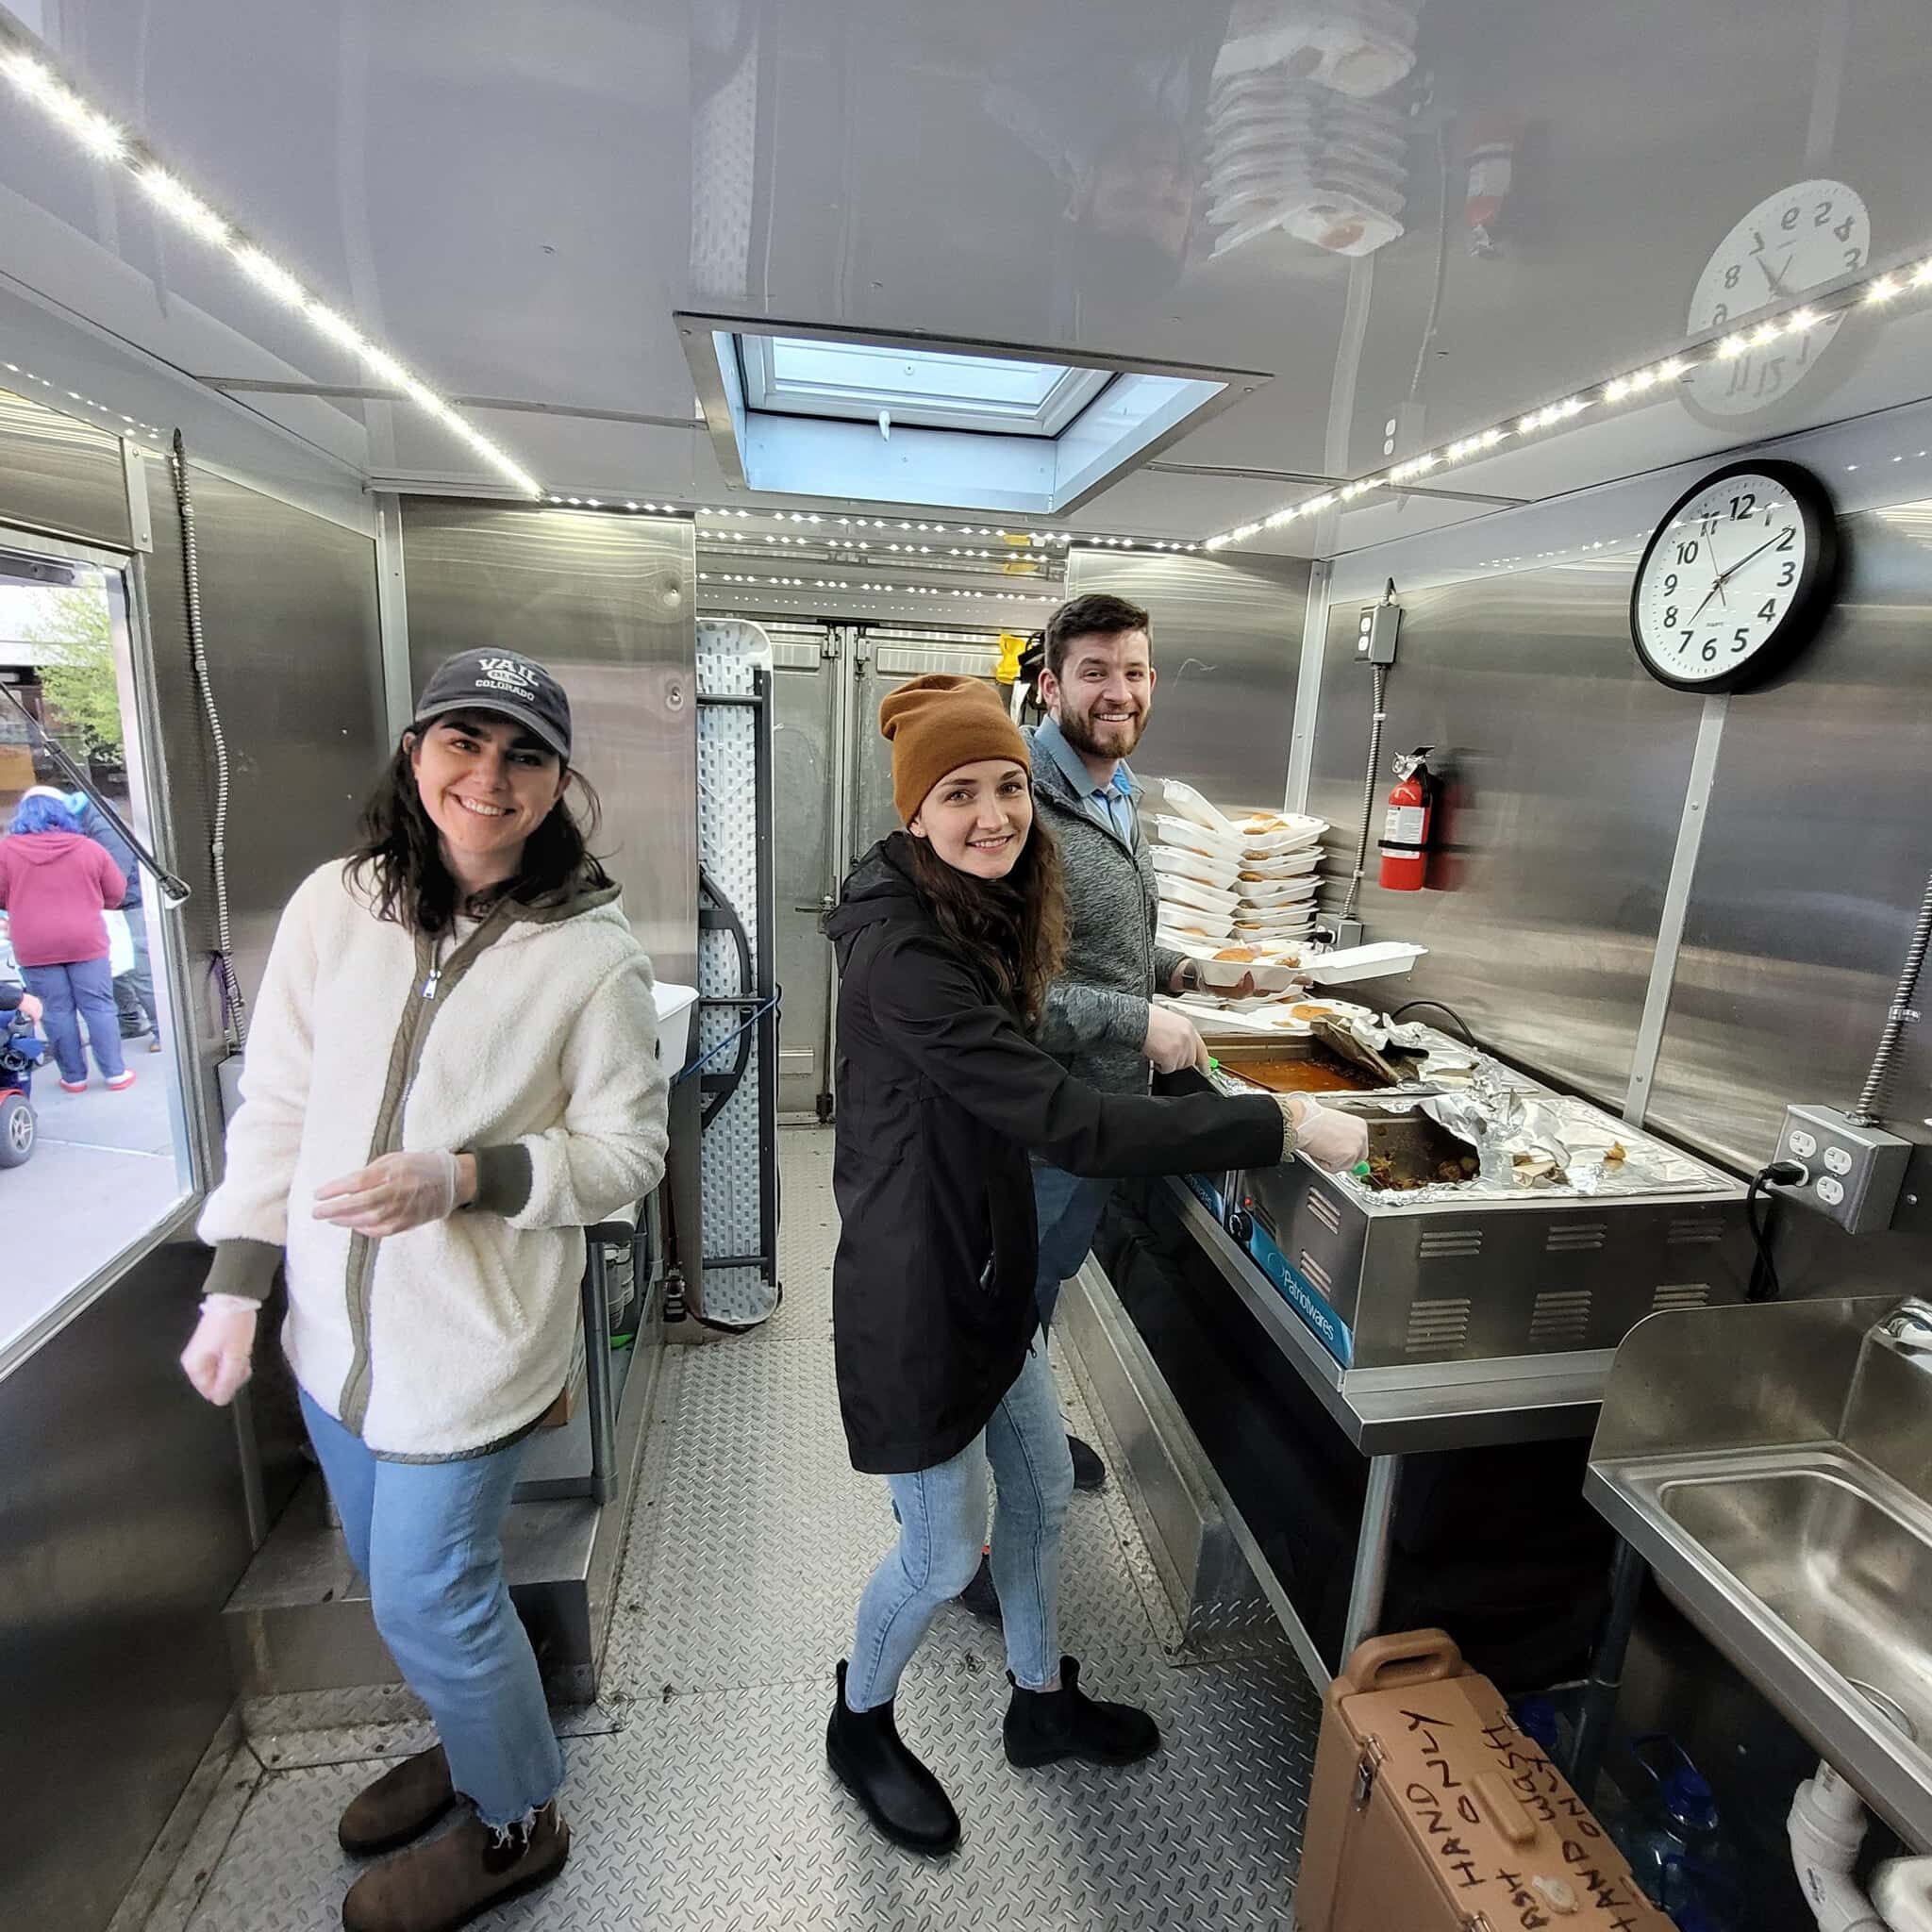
1467	1038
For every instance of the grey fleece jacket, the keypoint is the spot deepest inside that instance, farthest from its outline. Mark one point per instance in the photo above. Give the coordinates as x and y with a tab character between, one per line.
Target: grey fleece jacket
1096	1012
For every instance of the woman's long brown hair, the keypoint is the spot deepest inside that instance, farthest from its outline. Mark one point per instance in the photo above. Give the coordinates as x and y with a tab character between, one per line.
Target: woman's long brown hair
1014	930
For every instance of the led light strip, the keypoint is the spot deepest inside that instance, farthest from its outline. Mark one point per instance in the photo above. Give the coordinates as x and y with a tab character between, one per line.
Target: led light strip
104	141
1018	542
1871	291
734	576
74	395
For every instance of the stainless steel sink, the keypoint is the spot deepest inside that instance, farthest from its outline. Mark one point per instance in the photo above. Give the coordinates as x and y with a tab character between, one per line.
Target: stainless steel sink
1774	1465
1841	1555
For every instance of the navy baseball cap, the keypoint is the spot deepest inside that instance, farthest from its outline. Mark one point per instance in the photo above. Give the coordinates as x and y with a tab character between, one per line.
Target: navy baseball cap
503	682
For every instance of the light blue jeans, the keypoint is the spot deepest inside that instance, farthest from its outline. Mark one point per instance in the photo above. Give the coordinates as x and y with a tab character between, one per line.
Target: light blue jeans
941	1515
1068	1207
428	1537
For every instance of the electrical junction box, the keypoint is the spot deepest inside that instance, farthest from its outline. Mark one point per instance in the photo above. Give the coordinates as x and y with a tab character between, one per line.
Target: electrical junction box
1374	642
1853	1173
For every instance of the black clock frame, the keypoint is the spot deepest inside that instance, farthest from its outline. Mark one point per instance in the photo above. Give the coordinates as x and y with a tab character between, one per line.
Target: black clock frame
1810	602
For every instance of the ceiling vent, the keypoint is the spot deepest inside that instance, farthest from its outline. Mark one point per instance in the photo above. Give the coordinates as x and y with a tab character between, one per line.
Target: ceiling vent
920	422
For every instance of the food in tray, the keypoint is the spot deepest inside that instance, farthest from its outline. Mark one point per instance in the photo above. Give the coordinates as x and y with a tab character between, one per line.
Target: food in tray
1386	1178
1319	1073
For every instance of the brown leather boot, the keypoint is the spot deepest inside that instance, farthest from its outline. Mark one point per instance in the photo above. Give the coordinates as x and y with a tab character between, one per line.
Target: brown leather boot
400	1806
445	1882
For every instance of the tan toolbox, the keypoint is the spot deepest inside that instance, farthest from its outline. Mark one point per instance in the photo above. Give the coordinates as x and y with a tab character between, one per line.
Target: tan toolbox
1432	1812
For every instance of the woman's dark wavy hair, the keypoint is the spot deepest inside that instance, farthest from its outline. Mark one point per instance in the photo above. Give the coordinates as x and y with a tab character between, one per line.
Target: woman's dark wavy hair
1014	930
399	860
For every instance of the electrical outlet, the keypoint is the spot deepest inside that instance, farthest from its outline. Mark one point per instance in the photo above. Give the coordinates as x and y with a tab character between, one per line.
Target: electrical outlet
1374	642
1853	1173
1343	934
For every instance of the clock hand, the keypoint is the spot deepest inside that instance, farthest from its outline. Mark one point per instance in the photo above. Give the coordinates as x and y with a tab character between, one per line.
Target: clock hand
1778	287
1722	575
1743	561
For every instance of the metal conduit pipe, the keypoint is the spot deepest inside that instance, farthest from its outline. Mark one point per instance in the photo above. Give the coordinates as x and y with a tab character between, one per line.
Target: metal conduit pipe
1361	849
235	1008
1866	1112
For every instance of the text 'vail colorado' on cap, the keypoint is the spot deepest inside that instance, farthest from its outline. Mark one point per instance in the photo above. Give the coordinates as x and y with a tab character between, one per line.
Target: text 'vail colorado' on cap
504	683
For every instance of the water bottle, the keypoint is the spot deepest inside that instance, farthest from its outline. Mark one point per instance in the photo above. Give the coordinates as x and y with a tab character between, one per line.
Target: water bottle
1674	1840
1536	1718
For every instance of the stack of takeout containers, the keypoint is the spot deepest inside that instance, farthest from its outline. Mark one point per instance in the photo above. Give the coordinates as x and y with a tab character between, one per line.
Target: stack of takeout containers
1235	889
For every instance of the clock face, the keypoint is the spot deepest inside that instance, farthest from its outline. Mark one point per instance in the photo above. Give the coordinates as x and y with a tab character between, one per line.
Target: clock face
1796	239
1737	579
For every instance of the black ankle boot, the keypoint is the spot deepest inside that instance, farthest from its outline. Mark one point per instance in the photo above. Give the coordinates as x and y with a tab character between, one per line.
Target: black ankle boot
900	1795
1043	1727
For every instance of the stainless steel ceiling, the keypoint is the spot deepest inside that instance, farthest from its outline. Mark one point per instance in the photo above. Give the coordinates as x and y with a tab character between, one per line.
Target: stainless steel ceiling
516	198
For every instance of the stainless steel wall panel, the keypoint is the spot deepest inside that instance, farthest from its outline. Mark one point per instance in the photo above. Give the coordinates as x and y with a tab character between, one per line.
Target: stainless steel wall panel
289	609
1227	646
1814	855
1565	769
606	603
60	475
121	1532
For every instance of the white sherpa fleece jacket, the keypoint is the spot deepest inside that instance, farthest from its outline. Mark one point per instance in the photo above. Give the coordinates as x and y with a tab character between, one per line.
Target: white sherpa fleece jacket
533	1046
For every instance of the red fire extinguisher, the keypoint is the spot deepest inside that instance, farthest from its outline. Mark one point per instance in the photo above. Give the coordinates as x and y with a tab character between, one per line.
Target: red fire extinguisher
1404	842
1491	142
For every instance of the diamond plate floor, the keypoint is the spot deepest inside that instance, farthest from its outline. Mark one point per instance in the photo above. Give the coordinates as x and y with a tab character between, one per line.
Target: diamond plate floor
711	1807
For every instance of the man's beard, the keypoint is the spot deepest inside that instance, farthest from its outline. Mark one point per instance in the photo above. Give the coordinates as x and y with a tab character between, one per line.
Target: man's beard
1078	731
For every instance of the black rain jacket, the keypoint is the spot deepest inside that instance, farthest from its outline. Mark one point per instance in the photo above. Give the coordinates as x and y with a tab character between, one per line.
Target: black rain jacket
940	1098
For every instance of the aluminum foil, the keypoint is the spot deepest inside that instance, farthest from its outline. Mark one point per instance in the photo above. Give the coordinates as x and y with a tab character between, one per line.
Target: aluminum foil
1535	1142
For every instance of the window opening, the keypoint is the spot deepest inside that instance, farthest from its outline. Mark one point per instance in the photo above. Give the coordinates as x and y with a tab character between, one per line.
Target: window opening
84	1175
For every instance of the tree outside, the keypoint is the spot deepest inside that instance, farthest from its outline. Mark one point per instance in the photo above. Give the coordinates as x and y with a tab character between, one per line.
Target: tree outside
78	671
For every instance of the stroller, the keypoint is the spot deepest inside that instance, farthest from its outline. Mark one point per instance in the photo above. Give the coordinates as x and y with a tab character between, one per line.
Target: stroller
22	1050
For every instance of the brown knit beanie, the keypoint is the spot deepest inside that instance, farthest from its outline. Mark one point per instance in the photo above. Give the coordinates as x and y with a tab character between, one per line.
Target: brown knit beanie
938	723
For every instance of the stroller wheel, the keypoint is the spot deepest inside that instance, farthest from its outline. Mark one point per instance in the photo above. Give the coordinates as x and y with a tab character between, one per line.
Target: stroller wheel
17	1130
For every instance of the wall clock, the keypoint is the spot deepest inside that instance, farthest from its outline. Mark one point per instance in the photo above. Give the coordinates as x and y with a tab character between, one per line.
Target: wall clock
1794	241
1737	577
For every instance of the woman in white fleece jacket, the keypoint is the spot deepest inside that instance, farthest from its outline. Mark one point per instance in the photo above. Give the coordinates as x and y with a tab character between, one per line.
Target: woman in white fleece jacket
450	1072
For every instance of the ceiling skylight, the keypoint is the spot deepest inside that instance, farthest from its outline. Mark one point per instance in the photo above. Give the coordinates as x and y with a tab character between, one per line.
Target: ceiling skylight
799	409
916	388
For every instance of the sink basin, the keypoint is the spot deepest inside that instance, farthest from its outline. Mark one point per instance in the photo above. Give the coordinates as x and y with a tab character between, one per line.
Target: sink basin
1771	1463
1847	1572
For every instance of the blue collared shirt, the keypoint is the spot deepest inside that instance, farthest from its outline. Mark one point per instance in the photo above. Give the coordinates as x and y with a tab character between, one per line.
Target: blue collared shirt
1114	805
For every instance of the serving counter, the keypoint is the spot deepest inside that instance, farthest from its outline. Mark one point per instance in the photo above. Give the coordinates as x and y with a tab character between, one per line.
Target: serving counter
1363	1438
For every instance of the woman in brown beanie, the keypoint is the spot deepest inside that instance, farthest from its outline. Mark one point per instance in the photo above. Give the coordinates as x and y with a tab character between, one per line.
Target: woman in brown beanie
948	934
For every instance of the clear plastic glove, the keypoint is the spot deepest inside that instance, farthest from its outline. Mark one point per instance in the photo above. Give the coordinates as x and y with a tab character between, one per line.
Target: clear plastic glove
31	1006
392	1195
1172	1041
1329	1137
220	1353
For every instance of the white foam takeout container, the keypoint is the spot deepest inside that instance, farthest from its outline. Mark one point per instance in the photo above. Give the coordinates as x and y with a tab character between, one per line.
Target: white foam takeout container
1176	861
1175	891
1275	1020
1274	840
1365	962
